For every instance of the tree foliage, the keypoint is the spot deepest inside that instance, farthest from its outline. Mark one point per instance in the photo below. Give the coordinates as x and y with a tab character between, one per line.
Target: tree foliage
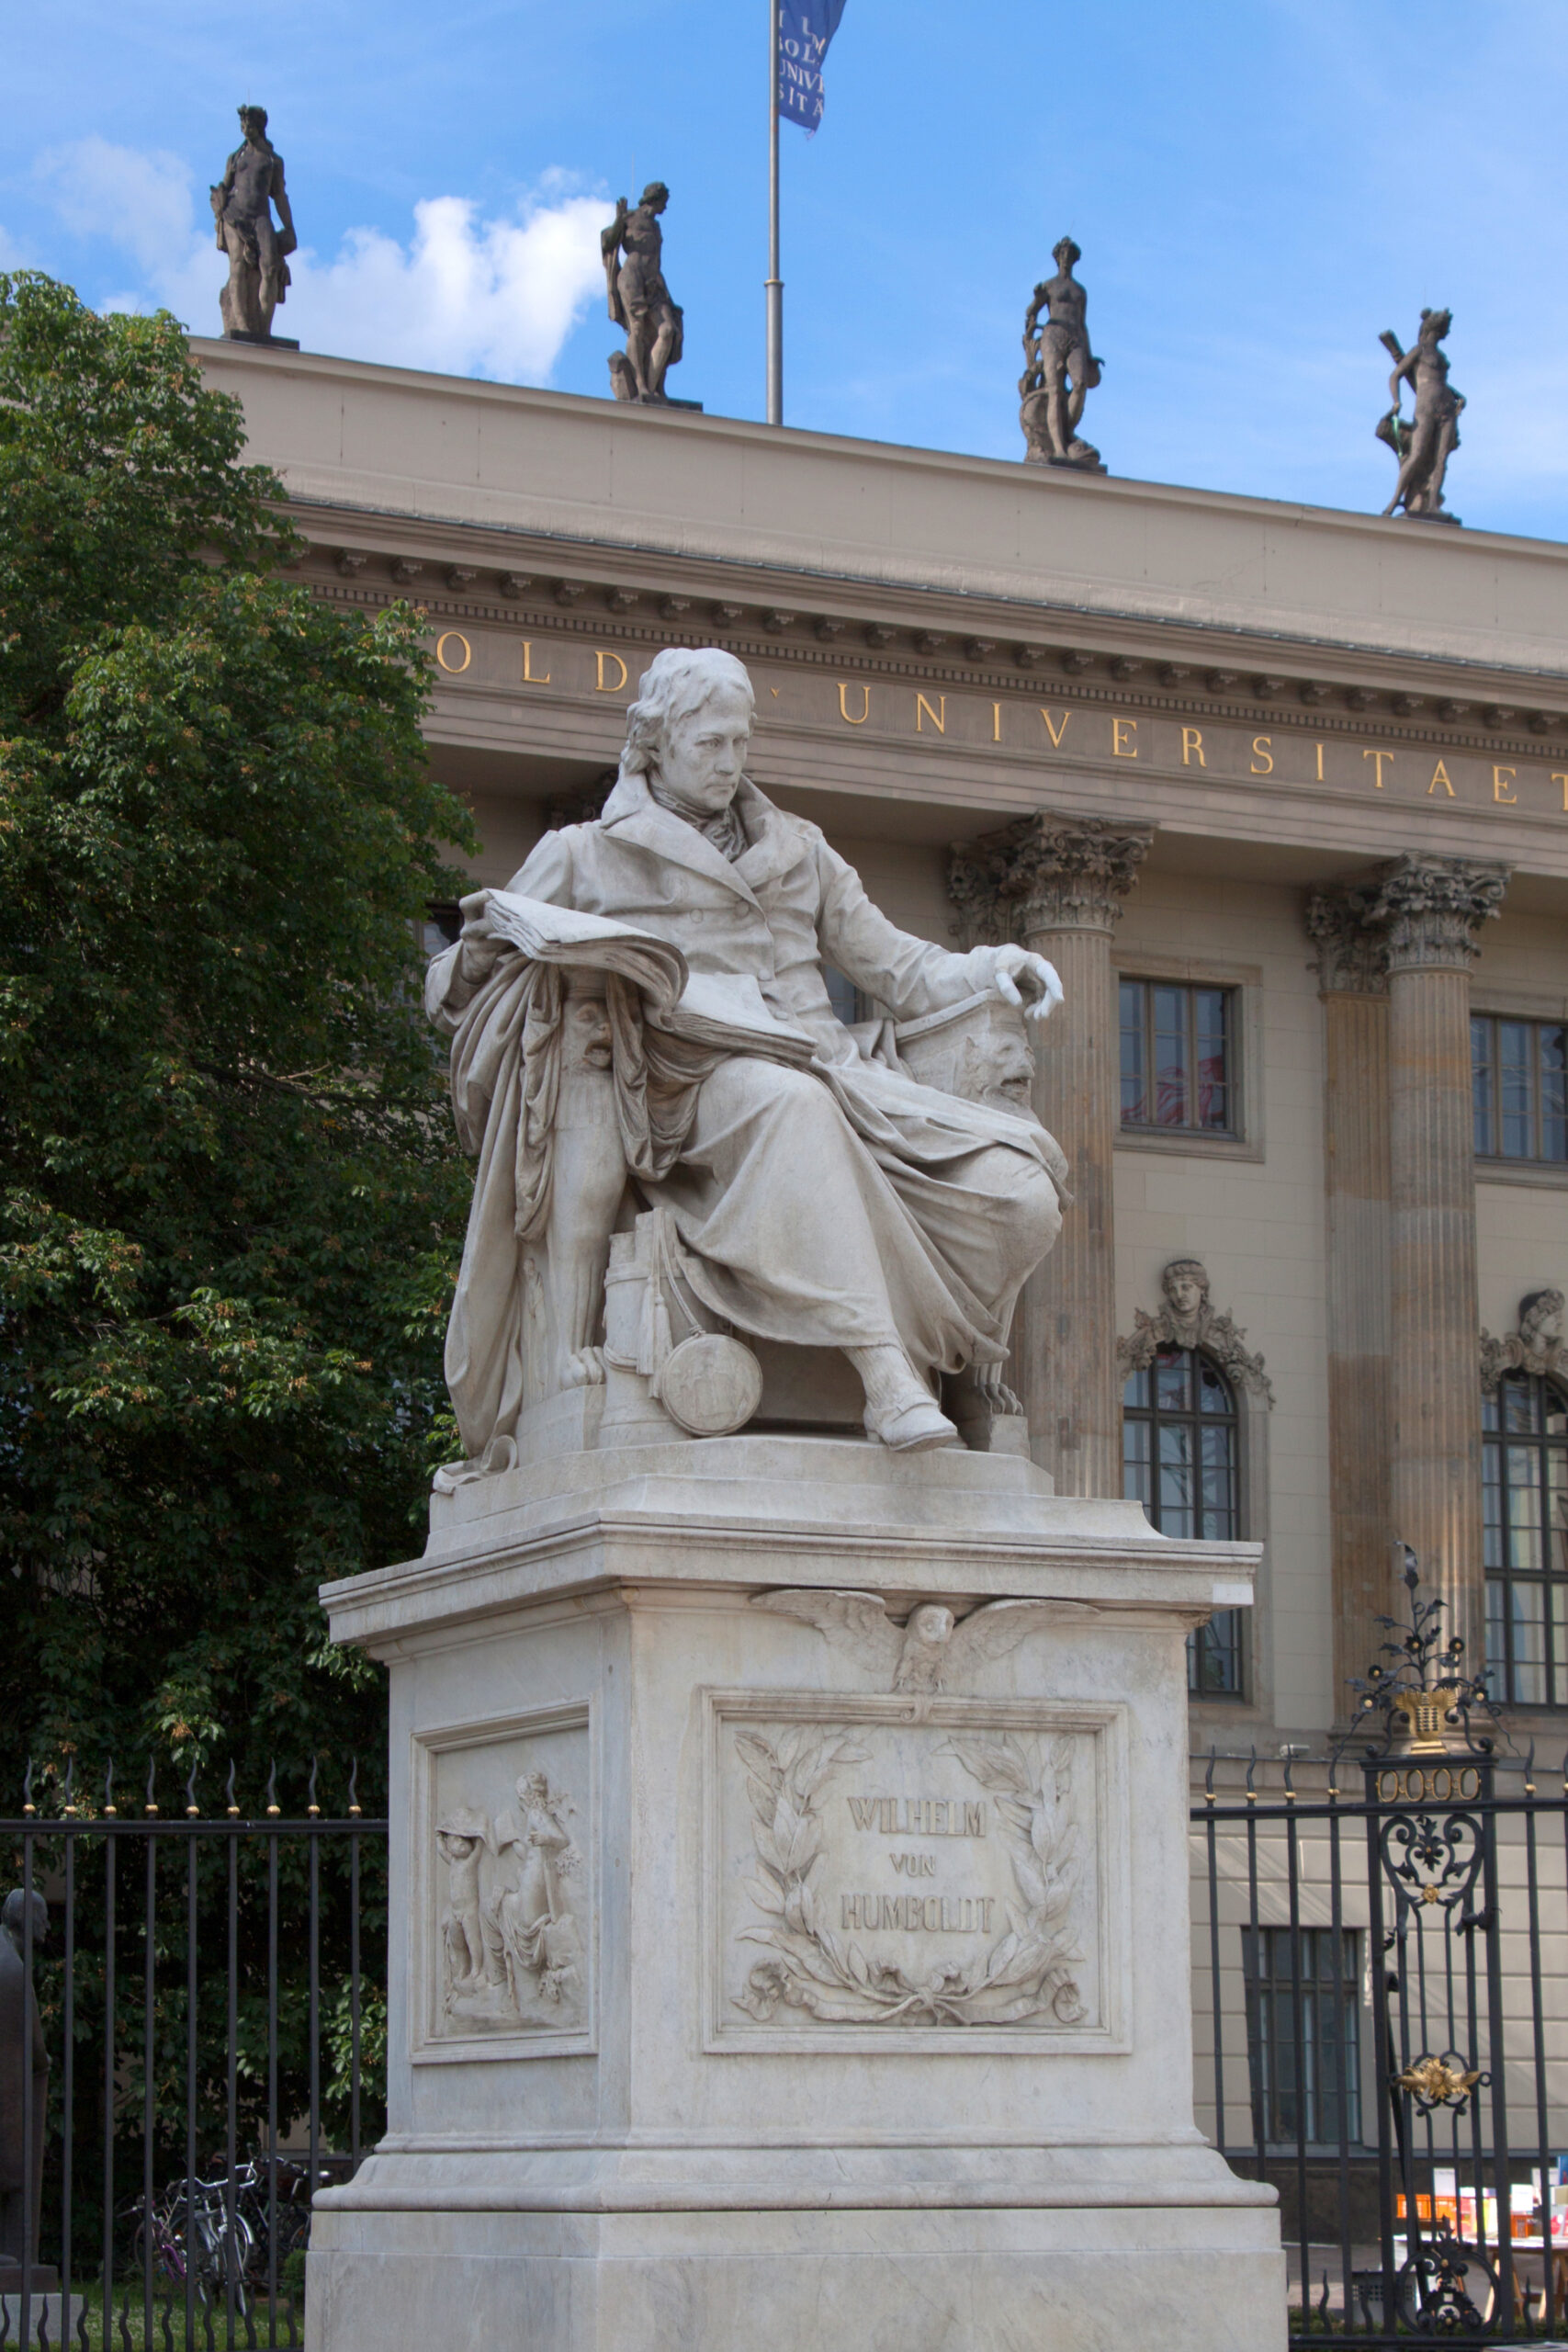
229	1205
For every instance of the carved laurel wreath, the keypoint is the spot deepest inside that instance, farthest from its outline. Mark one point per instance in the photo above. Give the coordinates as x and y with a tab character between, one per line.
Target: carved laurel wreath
1027	1972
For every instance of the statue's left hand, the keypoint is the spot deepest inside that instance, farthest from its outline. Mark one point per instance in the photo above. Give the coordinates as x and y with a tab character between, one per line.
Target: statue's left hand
1041	989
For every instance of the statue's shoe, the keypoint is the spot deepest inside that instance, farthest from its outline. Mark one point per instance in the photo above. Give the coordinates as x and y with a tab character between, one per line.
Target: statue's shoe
915	1430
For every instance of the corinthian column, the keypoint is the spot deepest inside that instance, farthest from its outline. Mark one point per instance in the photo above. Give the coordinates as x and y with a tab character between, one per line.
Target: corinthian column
1425	913
1056	883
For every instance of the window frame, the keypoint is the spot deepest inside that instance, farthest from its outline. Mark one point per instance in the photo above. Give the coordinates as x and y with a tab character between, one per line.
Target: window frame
1244	1140
1238	1622
1496	1441
1275	1987
1498	1161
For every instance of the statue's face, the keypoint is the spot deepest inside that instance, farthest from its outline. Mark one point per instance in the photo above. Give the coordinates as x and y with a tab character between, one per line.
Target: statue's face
1185	1293
703	755
456	1848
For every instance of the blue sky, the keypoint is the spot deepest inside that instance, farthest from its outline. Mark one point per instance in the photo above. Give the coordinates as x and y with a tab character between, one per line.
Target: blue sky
1259	188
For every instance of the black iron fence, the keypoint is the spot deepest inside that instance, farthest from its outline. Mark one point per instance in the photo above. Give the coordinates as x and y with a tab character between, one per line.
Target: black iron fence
1381	2029
192	2039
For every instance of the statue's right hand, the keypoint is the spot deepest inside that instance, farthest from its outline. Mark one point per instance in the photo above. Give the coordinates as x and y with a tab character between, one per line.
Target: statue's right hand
480	956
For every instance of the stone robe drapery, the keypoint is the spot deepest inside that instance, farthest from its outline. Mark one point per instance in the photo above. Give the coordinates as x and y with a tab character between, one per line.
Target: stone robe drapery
841	1205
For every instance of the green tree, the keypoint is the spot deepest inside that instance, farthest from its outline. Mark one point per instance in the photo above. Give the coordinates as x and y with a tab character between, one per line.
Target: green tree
228	1203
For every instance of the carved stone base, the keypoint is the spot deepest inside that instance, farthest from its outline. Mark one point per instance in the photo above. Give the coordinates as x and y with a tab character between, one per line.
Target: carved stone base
753	1799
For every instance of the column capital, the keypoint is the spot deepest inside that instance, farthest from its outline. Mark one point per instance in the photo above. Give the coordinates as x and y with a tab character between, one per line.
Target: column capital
1046	872
1419	914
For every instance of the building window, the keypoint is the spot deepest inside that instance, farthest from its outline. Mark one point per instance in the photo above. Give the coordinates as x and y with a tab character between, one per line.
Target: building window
1179	1459
442	926
1524	1471
1519	1078
1177	1056
1304	2083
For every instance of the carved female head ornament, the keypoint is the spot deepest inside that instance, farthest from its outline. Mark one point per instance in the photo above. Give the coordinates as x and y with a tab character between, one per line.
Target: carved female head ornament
1186	1285
1540	1318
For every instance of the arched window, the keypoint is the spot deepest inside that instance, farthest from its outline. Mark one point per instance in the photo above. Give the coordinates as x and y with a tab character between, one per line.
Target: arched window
1179	1459
1524	1456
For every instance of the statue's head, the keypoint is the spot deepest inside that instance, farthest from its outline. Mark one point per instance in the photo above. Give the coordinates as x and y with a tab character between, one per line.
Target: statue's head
690	728
535	1788
254	119
655	196
1434	325
1065	253
1186	1285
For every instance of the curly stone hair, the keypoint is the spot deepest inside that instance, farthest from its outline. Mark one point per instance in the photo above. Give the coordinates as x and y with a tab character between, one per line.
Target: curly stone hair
677	682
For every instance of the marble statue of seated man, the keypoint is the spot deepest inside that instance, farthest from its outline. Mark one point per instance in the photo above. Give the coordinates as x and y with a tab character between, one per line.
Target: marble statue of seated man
818	1195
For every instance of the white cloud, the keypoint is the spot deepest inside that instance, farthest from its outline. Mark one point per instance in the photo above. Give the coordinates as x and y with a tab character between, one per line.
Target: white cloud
141	201
466	294
470	296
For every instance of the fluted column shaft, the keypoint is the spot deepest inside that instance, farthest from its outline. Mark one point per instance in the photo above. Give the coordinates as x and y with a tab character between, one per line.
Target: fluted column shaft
1055	884
1420	921
1353	969
1436	1389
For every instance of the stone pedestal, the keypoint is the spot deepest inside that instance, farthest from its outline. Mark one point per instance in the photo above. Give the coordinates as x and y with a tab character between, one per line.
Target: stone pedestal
775	1961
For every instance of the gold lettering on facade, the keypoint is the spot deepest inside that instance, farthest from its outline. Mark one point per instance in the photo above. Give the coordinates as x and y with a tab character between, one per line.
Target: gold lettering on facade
1502	779
1439	776
453	637
1192	747
1119	729
996	722
845	713
924	711
1560	775
1318	748
528	677
1380	757
1054	732
1262	756
615	684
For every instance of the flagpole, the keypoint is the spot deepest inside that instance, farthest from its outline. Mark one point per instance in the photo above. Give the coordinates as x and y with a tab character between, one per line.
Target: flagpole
774	282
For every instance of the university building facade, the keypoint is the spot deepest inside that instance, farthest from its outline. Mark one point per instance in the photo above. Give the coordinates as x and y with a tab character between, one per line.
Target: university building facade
1281	792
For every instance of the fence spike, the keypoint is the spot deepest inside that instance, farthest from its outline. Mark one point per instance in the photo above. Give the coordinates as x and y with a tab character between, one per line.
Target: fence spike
353	1788
1529	1771
67	1793
1251	1778
193	1810
110	1810
311	1808
229	1790
1208	1775
29	1809
1290	1783
151	1805
272	1804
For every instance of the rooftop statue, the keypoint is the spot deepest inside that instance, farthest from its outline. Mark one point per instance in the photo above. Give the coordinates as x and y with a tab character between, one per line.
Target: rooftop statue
1059	369
1424	443
633	249
684	1156
257	250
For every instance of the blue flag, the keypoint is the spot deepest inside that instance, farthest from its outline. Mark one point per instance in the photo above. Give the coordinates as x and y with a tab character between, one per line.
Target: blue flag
805	27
